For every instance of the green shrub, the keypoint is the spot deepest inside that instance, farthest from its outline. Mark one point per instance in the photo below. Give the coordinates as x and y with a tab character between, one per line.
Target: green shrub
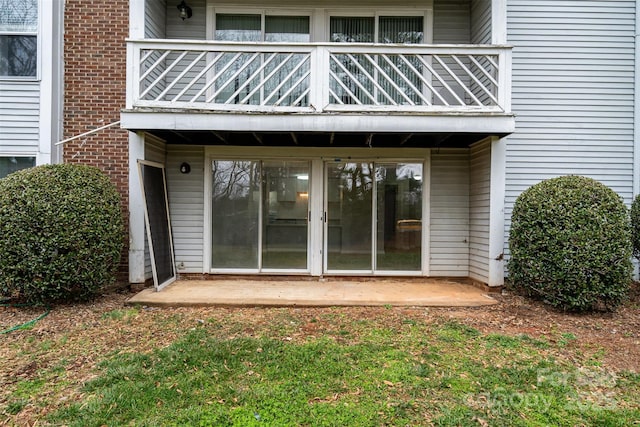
62	233
635	226
570	244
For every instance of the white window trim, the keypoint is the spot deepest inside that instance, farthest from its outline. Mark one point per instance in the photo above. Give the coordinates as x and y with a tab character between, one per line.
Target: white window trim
426	14
319	17
43	26
213	11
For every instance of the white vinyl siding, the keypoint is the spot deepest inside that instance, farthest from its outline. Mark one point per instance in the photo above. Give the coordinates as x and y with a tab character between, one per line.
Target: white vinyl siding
481	21
194	28
451	25
573	85
155	19
19	118
479	204
449	205
451	19
186	206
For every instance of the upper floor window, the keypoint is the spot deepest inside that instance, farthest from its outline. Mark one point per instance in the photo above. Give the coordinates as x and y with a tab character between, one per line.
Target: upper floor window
391	29
18	38
252	27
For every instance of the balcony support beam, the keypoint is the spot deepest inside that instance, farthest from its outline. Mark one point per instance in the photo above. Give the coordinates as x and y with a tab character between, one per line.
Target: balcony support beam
496	124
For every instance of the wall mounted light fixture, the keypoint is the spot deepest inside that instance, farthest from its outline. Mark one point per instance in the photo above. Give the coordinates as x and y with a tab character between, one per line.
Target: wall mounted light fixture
185	10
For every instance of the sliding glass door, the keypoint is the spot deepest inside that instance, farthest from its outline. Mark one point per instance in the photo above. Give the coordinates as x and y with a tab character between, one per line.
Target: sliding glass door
349	216
367	219
235	214
259	215
373	217
285	198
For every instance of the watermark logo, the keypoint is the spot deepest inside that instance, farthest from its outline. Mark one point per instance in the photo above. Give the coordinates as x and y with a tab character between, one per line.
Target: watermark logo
588	388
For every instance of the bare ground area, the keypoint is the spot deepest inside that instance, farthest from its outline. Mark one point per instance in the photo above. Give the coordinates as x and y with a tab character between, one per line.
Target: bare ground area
61	352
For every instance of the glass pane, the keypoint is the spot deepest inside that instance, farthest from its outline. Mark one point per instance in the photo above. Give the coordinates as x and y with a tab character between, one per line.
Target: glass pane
287	29
408	30
350	84
399	216
349	199
401	29
238	27
19	15
18	55
235	213
285	210
12	164
345	29
283	85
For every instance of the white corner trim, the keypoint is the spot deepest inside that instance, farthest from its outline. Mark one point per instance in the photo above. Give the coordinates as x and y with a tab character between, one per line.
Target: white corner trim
136	210
496	211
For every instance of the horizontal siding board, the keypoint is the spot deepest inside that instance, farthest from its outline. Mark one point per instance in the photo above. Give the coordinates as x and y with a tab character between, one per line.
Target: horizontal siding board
449	212
479	214
19	118
573	93
186	199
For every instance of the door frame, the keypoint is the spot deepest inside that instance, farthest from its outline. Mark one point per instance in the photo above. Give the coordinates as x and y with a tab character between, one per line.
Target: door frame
317	157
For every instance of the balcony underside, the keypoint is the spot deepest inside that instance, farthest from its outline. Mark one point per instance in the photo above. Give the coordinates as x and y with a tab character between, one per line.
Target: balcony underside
318	130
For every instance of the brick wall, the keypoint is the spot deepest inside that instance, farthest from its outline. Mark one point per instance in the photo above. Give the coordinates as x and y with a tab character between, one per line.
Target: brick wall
94	90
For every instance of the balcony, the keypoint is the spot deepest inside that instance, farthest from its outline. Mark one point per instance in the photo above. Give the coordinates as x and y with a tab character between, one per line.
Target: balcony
470	83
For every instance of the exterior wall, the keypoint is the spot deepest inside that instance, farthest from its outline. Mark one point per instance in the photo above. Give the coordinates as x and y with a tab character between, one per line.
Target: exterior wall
30	107
573	93
155	19
451	20
450	209
94	92
481	21
19	118
479	210
194	28
449	205
451	17
186	206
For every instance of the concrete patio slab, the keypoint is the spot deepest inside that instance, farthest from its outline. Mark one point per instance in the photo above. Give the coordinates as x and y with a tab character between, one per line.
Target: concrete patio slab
301	293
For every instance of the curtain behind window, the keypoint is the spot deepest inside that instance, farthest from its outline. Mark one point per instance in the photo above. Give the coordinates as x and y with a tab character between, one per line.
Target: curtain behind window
292	29
345	29
238	27
400	29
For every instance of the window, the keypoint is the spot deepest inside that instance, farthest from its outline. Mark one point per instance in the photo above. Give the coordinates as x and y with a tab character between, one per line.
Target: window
249	27
370	79
391	29
12	164
18	38
269	78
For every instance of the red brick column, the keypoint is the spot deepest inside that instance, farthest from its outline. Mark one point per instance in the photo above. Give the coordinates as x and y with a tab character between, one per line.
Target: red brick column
94	90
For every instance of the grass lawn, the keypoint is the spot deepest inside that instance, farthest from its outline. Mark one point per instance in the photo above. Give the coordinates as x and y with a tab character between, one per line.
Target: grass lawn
104	364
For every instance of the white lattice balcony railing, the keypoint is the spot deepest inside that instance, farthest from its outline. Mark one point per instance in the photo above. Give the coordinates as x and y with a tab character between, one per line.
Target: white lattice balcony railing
318	77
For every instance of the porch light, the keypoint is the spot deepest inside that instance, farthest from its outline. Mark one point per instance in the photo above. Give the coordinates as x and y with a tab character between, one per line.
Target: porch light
185	10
